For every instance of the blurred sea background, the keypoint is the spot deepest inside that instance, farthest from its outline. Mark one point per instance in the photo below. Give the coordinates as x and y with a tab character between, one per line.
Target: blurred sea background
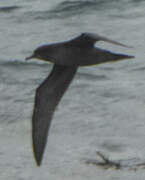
104	107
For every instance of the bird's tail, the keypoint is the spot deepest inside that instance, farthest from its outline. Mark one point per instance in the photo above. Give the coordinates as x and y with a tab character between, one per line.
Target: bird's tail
118	57
104	56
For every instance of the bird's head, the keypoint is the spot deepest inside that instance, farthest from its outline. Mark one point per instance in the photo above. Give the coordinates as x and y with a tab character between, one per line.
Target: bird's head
41	52
36	54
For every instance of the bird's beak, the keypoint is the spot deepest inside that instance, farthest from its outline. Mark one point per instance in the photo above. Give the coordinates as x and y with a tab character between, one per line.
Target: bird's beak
30	57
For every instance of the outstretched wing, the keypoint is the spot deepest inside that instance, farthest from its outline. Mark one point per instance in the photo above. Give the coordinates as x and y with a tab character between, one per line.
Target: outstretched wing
48	95
93	37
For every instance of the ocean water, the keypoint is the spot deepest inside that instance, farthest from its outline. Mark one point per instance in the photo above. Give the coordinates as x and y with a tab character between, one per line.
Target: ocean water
104	107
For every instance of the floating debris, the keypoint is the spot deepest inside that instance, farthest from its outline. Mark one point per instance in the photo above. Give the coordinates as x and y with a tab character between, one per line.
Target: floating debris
131	164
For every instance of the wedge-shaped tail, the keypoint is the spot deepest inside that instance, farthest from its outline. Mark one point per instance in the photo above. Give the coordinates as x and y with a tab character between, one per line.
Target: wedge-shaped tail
48	95
103	56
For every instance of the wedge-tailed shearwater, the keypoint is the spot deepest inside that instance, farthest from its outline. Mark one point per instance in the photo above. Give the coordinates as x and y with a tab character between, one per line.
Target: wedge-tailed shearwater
67	57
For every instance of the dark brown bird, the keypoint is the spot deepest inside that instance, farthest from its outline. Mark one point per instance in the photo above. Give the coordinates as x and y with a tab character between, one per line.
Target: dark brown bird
67	57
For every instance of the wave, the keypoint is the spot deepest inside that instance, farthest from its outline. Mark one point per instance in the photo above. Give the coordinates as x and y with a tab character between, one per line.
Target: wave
71	8
19	64
67	9
8	9
90	76
68	6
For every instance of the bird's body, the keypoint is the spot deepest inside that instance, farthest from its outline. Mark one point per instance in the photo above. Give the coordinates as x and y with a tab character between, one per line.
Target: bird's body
77	52
66	56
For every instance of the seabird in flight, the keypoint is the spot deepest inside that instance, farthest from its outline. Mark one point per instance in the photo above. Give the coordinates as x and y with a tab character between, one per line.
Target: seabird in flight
67	57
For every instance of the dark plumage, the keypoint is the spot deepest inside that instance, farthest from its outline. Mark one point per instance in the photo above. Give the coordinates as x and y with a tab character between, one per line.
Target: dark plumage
66	56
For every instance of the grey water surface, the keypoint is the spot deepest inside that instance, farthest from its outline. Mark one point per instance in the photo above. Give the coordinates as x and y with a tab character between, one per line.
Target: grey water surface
103	109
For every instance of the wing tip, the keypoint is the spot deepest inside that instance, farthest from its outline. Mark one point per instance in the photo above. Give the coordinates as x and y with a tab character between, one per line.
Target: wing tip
98	37
37	156
38	159
38	163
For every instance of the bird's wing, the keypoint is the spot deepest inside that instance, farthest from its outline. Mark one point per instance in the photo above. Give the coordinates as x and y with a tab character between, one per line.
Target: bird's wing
48	95
97	37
